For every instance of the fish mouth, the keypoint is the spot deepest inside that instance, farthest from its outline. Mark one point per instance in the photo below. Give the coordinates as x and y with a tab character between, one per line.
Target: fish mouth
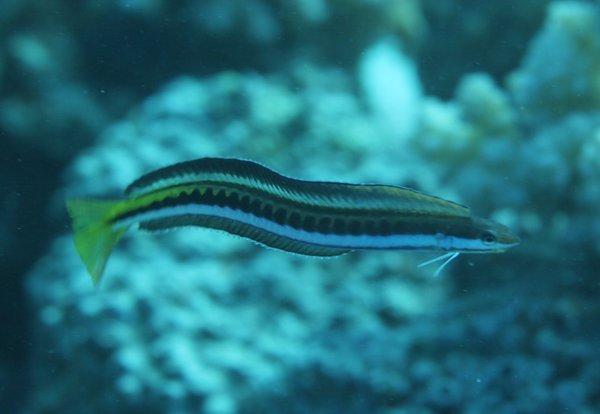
510	240
505	247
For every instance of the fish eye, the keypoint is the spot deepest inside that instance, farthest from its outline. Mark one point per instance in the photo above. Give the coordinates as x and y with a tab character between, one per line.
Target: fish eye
488	237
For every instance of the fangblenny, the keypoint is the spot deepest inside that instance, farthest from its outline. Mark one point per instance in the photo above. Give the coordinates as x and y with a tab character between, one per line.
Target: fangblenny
305	217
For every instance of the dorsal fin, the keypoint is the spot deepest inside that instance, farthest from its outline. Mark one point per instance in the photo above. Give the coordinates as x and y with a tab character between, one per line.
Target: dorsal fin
254	176
192	171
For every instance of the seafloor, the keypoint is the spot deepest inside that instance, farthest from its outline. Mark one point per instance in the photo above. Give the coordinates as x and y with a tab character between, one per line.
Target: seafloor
495	104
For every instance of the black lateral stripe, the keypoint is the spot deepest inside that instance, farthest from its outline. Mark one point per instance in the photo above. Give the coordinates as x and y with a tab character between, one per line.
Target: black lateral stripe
326	221
355	227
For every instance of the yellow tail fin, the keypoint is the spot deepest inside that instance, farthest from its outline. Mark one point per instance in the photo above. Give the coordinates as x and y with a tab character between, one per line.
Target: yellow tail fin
94	236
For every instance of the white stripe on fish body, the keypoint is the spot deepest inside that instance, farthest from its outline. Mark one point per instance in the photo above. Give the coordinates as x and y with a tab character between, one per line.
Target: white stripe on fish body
397	241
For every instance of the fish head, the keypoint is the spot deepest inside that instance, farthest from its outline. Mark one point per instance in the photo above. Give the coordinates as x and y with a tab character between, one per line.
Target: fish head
493	236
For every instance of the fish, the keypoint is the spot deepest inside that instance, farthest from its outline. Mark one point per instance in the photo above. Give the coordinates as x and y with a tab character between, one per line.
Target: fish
313	218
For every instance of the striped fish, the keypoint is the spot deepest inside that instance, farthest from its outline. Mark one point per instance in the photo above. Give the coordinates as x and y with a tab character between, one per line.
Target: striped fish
305	217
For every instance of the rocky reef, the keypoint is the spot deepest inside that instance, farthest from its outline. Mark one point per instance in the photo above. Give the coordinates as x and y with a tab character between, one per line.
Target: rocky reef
199	321
209	336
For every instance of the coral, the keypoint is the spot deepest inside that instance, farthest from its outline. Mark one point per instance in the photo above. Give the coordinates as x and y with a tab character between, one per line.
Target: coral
495	153
566	52
206	336
55	73
252	116
172	320
472	35
490	356
392	88
196	320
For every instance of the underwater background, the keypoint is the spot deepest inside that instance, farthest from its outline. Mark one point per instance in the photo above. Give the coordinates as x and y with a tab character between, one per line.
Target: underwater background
495	104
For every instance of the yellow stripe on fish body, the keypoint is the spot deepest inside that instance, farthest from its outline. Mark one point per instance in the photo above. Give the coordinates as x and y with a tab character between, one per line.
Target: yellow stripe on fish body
248	174
305	217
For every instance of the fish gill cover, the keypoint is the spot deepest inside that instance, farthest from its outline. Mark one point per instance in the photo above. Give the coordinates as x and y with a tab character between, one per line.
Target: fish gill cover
497	106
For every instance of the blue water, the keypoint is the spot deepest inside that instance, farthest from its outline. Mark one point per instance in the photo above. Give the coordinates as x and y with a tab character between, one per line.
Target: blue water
493	104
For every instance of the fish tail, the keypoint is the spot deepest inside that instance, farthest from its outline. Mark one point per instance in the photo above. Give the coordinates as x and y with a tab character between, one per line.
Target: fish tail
94	235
